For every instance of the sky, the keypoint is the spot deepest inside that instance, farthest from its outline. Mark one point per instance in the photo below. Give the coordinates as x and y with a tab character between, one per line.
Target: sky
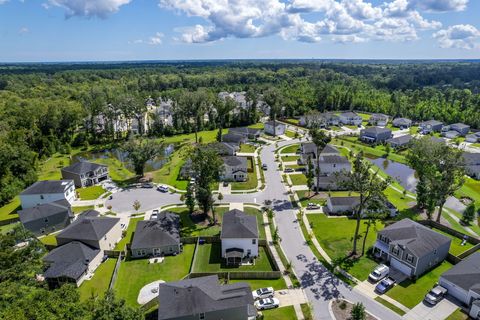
118	30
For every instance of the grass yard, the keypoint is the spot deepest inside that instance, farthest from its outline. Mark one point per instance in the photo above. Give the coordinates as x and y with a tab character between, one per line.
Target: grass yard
90	193
209	259
321	198
98	285
49	240
117	171
298	179
257	126
294	121
458	315
129	236
290	158
283	313
168	174
455	247
251	182
134	274
205	136
290	149
9	211
369	151
247	148
276	284
390	306
470	189
411	293
191	229
290	134
8	227
77	210
335	236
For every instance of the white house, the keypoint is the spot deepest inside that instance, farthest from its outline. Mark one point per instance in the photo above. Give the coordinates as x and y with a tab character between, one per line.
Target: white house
47	191
350	118
235	168
330	164
239	237
280	128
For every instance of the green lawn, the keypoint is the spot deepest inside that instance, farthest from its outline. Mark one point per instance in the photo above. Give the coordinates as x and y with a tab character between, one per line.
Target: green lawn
50	168
98	285
77	210
49	240
320	198
9	211
209	259
276	284
8	227
390	306
455	247
283	313
290	134
90	193
298	179
335	236
251	182
290	158
411	293
458	315
257	126
117	171
134	274
168	174
369	151
294	121
470	189
129	236
290	149
205	136
247	148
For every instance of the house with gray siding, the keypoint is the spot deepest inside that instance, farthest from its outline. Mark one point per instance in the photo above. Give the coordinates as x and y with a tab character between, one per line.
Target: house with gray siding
275	128
375	135
250	133
473	137
430	126
402	123
378	119
224	148
350	118
461	128
205	298
47	191
234	138
235	169
85	173
472	164
400	142
411	248
47	218
342	205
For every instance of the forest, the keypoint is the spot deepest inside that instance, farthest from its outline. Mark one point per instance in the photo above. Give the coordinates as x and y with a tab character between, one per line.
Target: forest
52	108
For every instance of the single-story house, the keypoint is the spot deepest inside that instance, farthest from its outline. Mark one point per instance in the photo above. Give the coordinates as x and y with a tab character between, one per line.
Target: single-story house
239	237
473	137
47	218
400	142
411	248
461	128
375	134
431	126
330	164
250	133
350	118
85	173
378	119
451	134
472	164
402	123
97	232
234	138
205	298
47	191
235	168
224	148
158	237
279	130
71	263
342	204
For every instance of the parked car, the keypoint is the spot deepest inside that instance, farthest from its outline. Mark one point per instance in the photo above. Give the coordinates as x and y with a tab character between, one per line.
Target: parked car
301	169
380	272
288	170
269	303
264	166
312	206
435	295
225	183
263	293
162	189
148	185
385	285
154	215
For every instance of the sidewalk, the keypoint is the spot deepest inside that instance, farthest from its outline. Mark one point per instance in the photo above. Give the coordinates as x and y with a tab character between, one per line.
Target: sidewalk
368	289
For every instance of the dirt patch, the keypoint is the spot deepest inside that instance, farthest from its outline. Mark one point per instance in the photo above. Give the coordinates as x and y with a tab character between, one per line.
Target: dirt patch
341	310
199	218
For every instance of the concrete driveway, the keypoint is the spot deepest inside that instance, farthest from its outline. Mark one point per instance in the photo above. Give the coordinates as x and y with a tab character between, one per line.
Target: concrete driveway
290	297
426	312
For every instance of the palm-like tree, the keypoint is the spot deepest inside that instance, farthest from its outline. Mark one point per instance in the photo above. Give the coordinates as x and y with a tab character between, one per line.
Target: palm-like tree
320	139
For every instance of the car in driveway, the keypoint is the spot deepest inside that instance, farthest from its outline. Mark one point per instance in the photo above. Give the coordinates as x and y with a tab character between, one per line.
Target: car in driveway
380	272
312	206
148	185
268	303
154	215
263	293
264	166
435	295
287	170
163	189
384	285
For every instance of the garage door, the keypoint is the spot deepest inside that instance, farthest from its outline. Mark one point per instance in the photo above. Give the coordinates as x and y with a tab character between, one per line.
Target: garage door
400	266
454	291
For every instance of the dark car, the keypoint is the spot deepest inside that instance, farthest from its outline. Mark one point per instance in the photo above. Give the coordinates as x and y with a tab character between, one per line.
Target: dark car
148	185
385	285
301	169
288	170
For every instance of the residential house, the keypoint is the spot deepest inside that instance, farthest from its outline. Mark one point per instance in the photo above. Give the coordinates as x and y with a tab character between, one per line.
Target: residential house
250	133
205	298
164	113
84	173
332	119
235	168
186	171
400	142
239	237
234	138
309	149
157	237
430	126
461	128
279	130
375	135
97	232
451	134
472	164
411	247
350	118
337	205
378	119
238	97
71	263
313	120
402	123
473	138
47	191
330	164
332	183
224	148
47	218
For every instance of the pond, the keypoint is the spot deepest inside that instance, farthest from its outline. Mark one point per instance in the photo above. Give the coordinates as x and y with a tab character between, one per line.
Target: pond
120	155
400	172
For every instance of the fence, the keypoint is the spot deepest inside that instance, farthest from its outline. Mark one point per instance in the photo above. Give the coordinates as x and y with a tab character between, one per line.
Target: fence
239	275
8	221
115	271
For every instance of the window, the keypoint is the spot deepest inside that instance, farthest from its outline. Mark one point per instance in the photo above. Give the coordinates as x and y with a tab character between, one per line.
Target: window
46	219
435	251
201	316
409	258
254	241
41	196
395	251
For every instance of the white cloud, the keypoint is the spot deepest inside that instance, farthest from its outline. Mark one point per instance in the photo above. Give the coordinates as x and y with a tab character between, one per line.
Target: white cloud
348	39
3	1
23	30
440	5
156	39
462	36
88	8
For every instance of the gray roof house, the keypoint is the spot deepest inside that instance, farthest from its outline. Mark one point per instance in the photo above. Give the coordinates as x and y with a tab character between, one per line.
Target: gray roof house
350	118
205	298
280	128
234	137
402	123
85	173
450	134
411	247
431	125
309	149
70	263
330	164
47	218
461	128
342	205
375	134
157	237
378	119
235	168
473	137
224	148
250	133
400	142
47	191
472	164
332	182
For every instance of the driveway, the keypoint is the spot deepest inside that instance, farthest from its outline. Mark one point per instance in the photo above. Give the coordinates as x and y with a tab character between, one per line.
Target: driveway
290	297
425	312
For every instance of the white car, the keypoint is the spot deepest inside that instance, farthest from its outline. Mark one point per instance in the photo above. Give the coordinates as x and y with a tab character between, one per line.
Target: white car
269	303
435	295
312	206
154	215
380	272
162	188
263	293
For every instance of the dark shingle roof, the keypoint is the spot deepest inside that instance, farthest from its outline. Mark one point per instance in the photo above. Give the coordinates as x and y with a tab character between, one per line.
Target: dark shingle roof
432	123
378	116
417	238
202	295
245	131
47	186
237	224
157	233
83	167
401	121
471	158
376	130
88	228
234	161
223	147
345	201
465	274
333	159
44	211
70	260
350	114
310	147
233	137
401	140
459	126
277	123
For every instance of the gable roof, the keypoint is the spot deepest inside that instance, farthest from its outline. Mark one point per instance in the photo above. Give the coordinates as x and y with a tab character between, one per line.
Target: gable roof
401	139
333	159
376	130
415	237
44	211
234	161
471	158
47	187
349	114
223	147
233	137
83	167
202	295
310	147
277	123
157	233
88	228
237	224
465	274
432	123
378	116
401	121
459	126
245	130
345	201
70	260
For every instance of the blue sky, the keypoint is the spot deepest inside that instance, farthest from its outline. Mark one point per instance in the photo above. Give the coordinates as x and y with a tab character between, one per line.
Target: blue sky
81	30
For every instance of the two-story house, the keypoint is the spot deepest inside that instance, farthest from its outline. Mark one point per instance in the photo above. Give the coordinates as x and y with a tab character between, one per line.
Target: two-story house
275	128
350	118
85	173
47	218
235	169
430	126
375	134
461	128
402	123
411	247
47	191
239	237
472	164
250	133
400	142
378	119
